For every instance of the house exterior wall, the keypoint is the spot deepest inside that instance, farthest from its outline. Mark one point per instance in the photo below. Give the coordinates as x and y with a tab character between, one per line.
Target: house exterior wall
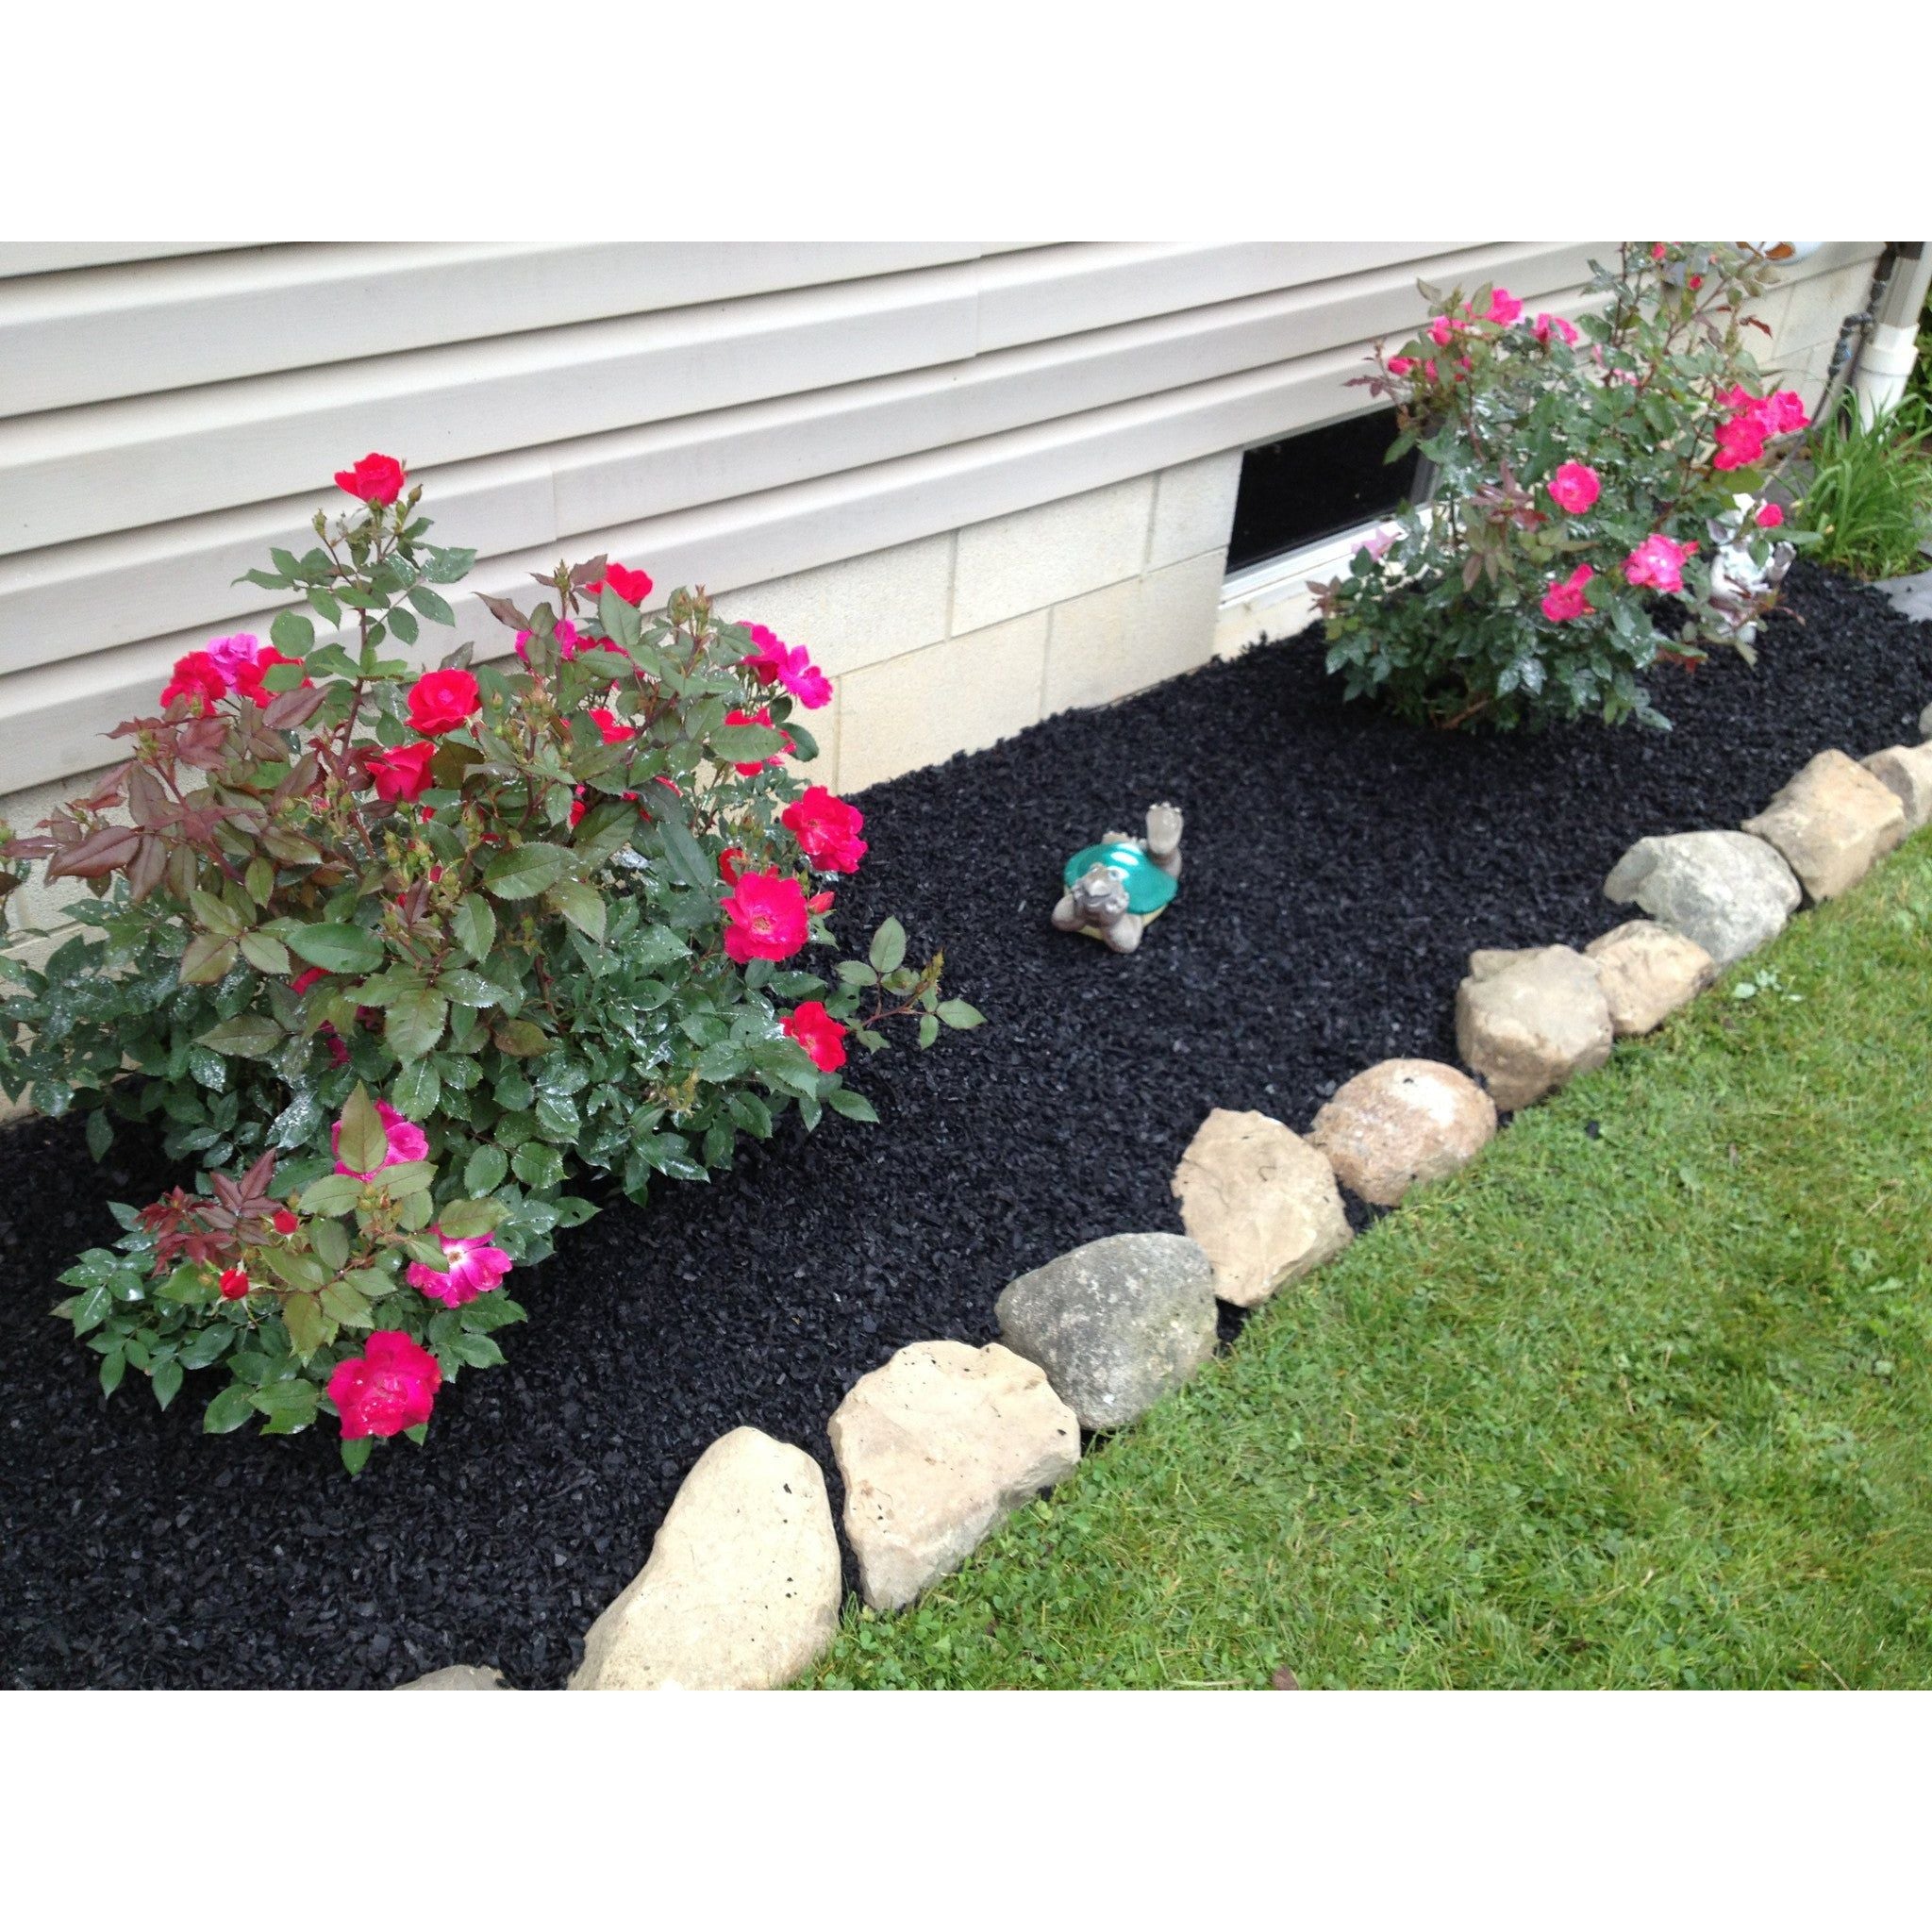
982	483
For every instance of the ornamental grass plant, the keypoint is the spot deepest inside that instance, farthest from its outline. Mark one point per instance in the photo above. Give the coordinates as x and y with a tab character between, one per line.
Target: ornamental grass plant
399	958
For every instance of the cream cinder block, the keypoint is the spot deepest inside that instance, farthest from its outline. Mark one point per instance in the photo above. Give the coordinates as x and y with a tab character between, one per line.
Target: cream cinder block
1049	553
858	612
1121	639
1194	508
960	695
1817	310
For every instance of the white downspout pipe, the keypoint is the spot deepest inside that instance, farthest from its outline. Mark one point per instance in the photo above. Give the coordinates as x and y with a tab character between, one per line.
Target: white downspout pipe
1885	362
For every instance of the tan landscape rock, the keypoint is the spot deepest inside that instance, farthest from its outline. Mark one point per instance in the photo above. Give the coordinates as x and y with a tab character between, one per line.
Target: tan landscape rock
1261	1202
937	1448
457	1677
1530	1021
1400	1124
1905	772
742	1590
1647	971
1830	823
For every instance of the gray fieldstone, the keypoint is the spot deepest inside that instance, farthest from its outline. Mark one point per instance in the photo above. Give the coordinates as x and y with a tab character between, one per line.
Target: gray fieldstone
1529	1021
1261	1202
1115	1324
937	1448
1832	822
1727	890
1905	772
741	1592
1647	971
1401	1123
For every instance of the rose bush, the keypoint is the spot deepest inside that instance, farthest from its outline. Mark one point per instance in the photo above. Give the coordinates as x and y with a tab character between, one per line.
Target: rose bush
1581	469
395	956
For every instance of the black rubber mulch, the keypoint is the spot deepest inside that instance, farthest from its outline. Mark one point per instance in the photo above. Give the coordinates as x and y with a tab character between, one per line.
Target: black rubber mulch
1340	867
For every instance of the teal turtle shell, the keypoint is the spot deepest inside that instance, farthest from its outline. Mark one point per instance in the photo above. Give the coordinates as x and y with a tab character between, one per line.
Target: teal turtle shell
1149	888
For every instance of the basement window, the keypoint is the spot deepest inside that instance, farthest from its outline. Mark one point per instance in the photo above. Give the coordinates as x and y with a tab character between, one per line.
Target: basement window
1297	491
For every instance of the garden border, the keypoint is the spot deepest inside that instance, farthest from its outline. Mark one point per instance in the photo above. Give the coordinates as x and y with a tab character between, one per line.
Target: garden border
940	1442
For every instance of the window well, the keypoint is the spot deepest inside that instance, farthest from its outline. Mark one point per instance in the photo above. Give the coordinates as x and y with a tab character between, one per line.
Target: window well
1304	487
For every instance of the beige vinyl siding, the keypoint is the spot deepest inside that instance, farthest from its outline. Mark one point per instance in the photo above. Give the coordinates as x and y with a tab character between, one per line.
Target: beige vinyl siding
723	413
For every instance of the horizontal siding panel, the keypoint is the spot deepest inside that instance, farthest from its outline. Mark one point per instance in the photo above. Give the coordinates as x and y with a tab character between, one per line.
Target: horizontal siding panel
56	257
1055	292
91	595
81	472
151	326
50	718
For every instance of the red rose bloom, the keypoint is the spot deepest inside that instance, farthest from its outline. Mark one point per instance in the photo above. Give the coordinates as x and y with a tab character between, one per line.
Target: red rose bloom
764	917
827	829
440	700
613	730
302	981
389	1389
401	775
374	479
248	677
633	586
234	1285
727	863
821	1037
198	676
285	1220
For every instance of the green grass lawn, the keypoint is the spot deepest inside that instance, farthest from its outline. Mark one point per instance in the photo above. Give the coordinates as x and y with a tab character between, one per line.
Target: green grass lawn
1641	1399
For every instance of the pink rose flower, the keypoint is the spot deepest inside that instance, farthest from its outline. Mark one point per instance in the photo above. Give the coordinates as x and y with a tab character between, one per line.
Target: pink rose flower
407	1141
1504	306
391	1387
610	727
1770	516
1377	545
1659	562
1546	325
764	917
1561	602
827	829
1575	488
775	661
1401	365
567	638
1441	331
248	679
474	1268
821	1037
1739	443
232	654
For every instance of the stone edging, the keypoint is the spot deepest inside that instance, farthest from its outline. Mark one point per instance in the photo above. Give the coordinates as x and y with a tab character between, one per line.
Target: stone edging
940	1444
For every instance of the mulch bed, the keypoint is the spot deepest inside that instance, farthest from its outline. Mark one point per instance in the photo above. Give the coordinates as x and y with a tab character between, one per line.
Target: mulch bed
1340	869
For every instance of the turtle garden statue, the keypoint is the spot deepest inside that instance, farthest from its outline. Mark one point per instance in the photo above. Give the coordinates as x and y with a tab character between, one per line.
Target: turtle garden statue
1117	889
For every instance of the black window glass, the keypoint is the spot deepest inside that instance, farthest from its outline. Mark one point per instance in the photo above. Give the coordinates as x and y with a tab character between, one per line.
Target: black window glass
1308	487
